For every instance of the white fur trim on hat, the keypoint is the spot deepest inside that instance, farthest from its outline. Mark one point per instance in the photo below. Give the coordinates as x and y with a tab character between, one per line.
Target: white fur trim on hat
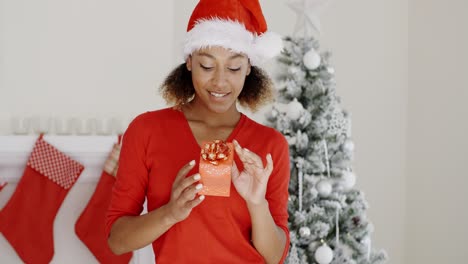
234	36
266	46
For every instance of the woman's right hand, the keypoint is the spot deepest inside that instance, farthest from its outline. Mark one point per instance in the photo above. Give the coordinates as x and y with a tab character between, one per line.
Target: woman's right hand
184	194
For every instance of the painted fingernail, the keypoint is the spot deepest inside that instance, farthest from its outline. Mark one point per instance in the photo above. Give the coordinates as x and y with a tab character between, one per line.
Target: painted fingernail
192	163
199	186
197	177
201	197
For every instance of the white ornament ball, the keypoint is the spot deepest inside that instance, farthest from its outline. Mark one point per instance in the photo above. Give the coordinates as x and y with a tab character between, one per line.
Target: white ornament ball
324	188
324	254
294	109
312	60
348	180
304	231
348	145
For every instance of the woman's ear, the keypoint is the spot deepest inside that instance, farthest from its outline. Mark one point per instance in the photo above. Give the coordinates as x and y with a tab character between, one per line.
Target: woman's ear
249	68
188	63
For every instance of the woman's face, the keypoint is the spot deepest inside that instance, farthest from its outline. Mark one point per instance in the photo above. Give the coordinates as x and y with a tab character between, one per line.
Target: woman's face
218	76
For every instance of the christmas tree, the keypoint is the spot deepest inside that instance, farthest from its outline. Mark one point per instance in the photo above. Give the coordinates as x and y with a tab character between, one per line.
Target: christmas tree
327	216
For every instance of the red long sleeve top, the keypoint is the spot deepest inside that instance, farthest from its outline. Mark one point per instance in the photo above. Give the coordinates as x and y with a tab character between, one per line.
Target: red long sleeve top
155	146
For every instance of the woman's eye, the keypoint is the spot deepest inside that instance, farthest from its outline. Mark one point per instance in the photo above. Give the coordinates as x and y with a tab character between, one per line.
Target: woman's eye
205	67
235	69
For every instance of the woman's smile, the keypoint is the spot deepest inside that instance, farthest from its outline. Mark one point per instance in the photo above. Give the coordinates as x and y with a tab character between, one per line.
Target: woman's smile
219	95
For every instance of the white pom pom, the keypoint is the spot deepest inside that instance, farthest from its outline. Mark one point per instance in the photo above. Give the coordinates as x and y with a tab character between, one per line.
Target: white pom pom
266	46
324	254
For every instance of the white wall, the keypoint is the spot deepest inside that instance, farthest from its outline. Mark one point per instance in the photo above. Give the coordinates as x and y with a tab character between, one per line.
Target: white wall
438	129
108	57
83	58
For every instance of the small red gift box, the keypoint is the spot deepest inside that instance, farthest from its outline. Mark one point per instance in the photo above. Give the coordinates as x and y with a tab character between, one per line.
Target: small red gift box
215	166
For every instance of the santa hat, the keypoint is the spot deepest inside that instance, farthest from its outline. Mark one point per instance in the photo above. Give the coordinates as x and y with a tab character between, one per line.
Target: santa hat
238	25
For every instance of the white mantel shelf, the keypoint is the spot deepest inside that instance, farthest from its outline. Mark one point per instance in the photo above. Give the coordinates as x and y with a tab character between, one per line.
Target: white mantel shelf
91	151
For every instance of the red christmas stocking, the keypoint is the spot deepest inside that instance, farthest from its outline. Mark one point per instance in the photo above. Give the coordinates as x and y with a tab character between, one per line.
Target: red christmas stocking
90	227
27	219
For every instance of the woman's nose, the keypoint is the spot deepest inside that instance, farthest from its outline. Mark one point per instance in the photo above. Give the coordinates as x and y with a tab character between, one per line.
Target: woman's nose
219	79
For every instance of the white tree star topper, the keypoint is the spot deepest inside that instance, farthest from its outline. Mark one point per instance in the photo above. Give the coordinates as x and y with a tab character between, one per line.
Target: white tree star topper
308	12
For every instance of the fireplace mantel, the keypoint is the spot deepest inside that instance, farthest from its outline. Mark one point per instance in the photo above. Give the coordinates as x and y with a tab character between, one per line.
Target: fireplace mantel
91	151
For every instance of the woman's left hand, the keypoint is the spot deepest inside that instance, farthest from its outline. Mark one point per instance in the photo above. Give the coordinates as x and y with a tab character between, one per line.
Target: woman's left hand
251	183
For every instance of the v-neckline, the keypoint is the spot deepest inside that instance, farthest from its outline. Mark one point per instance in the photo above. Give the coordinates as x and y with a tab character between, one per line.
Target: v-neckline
192	137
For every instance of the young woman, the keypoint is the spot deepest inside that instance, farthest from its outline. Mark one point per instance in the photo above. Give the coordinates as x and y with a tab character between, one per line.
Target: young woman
161	150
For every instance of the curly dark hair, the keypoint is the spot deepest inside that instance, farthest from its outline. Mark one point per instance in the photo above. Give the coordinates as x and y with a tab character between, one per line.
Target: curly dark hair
178	88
